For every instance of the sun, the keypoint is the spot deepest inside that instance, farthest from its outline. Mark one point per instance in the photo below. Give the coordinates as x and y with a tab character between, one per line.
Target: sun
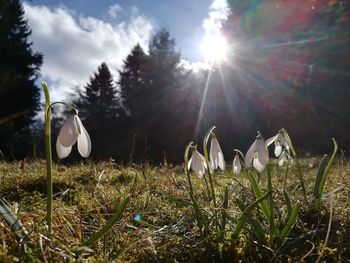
214	48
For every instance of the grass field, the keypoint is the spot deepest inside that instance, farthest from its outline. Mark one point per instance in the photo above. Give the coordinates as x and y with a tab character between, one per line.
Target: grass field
159	223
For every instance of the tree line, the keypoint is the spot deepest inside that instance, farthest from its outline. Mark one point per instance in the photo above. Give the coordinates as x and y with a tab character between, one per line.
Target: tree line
288	66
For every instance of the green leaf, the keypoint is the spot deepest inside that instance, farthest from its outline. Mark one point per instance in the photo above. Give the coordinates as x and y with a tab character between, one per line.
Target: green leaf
288	203
257	192
325	174
290	222
224	213
321	168
13	222
246	215
202	221
110	223
256	227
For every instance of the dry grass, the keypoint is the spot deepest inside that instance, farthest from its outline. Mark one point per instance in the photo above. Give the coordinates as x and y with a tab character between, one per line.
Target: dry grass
86	195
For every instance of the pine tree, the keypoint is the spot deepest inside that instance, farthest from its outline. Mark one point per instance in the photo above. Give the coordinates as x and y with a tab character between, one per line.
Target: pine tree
19	69
99	108
131	81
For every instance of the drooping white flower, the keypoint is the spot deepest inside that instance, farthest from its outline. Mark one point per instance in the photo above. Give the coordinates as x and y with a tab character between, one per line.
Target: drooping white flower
236	166
258	155
215	155
71	132
283	157
197	163
279	141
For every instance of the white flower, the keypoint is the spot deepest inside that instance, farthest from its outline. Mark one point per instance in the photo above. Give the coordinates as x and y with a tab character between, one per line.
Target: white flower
284	157
236	166
197	163
215	155
71	132
257	154
279	141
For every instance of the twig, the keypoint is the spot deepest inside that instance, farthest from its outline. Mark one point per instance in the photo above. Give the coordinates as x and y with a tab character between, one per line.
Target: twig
310	251
328	230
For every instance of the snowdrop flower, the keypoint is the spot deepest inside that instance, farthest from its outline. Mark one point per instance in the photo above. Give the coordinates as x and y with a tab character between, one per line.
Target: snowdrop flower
71	132
257	154
279	141
215	155
283	157
237	163
197	163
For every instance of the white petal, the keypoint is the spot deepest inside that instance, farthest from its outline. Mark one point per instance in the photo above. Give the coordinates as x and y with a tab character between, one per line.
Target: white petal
215	151
62	151
271	140
236	165
258	165
250	154
189	164
69	132
221	162
263	153
197	164
203	160
84	142
280	161
284	142
278	149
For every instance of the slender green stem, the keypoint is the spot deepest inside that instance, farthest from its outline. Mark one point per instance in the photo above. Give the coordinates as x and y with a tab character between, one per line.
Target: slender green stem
295	156
207	186
285	176
206	155
58	102
48	155
186	166
272	223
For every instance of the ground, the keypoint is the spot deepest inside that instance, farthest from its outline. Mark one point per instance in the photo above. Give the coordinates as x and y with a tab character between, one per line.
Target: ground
159	223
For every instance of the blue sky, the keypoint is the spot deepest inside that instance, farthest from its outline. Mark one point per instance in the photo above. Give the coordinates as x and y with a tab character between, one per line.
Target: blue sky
76	36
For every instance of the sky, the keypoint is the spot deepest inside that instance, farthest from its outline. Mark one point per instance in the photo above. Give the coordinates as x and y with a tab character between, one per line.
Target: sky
76	36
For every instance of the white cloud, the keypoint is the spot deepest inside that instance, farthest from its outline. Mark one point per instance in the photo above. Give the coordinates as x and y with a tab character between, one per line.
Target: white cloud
114	10
217	13
74	46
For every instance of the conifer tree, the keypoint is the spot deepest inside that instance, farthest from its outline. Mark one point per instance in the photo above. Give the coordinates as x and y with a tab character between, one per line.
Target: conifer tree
19	69
100	108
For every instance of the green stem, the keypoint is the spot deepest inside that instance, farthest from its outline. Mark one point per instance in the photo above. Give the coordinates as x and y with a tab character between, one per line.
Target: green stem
295	156
48	155
207	186
285	176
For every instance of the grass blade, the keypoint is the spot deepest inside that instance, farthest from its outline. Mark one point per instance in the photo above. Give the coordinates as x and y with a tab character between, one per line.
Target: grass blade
256	227
288	203
257	192
320	172
224	213
325	174
290	223
246	214
116	216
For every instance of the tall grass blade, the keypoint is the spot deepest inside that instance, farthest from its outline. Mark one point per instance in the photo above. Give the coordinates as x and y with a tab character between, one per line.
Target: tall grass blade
320	172
325	174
